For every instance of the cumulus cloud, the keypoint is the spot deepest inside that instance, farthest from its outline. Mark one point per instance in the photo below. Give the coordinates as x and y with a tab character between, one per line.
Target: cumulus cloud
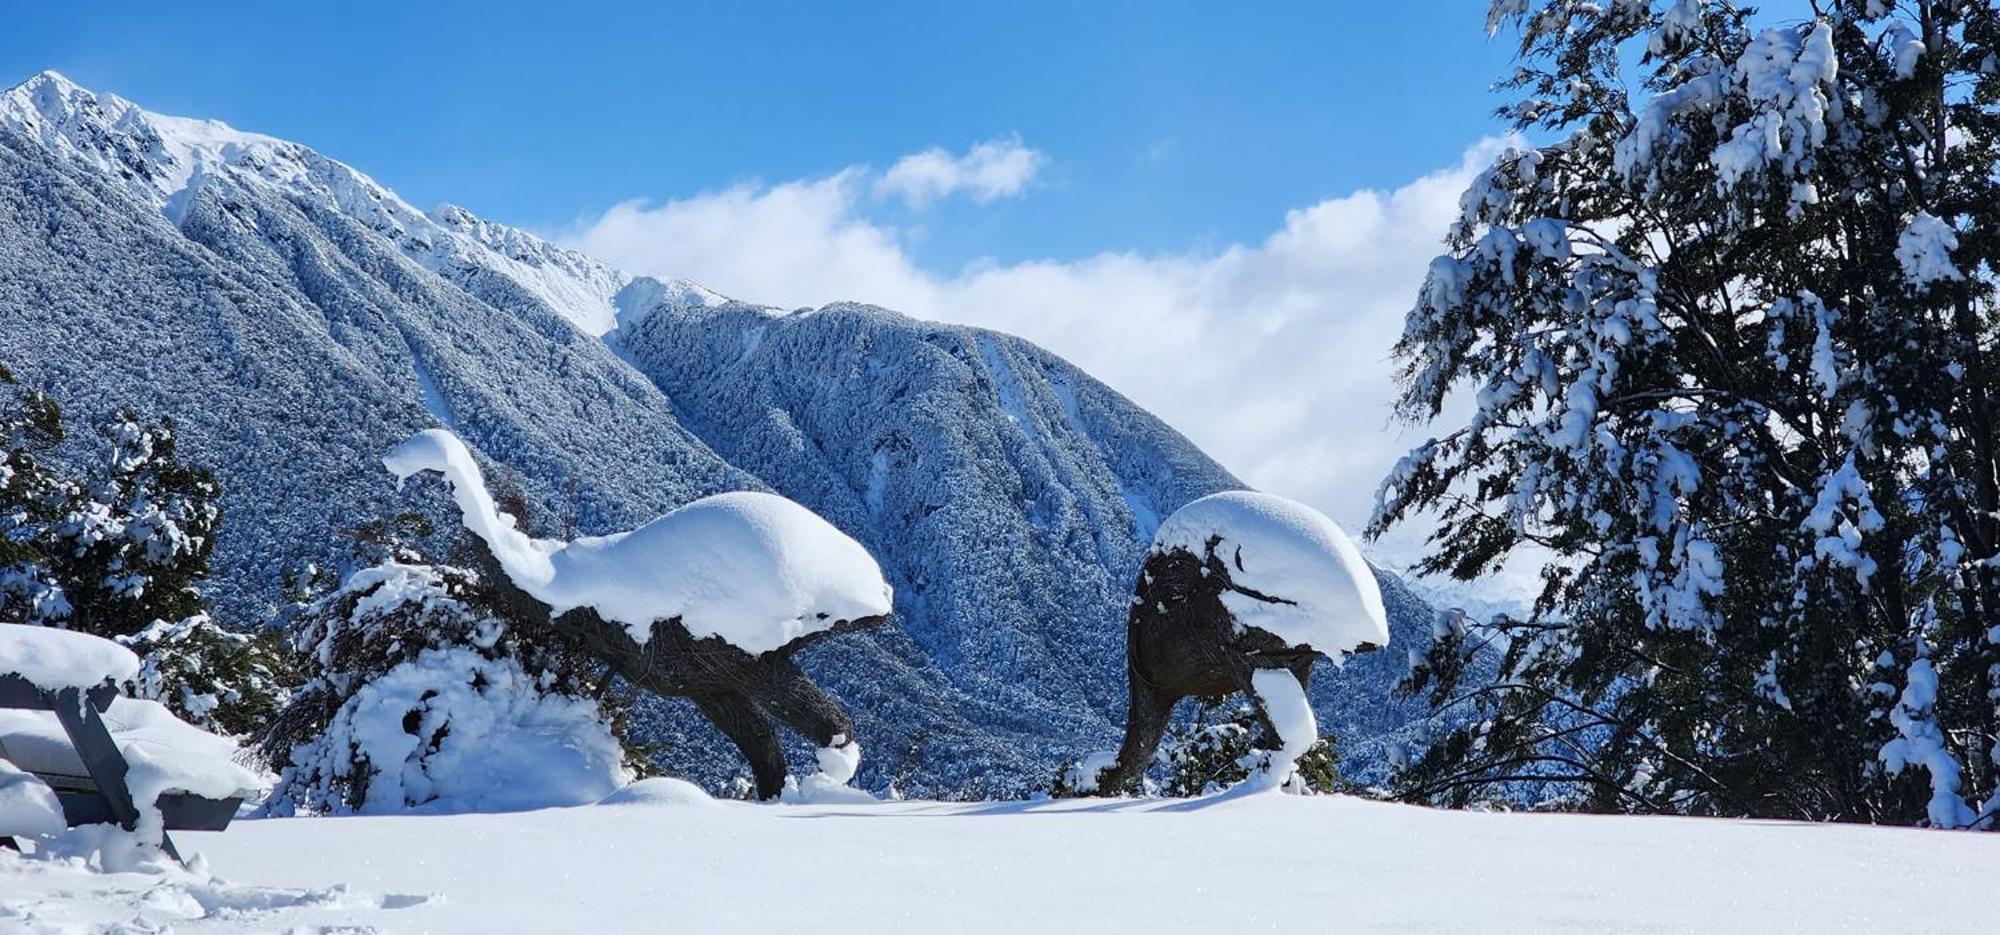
993	169
1271	355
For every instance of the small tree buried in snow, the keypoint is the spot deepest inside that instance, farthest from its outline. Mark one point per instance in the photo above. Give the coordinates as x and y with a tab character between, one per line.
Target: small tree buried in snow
1223	745
119	552
1241	592
707	602
425	693
1730	337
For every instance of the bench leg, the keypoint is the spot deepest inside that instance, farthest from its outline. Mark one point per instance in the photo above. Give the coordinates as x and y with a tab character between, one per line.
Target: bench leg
102	760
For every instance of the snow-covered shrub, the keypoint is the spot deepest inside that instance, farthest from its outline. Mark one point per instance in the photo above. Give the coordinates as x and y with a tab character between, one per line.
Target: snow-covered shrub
222	680
1221	746
119	551
423	693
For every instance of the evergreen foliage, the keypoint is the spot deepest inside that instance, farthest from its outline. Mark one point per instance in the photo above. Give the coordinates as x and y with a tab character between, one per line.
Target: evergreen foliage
1730	338
1217	748
1220	747
119	552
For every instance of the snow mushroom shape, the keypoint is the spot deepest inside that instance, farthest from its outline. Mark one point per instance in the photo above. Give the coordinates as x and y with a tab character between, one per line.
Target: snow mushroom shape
707	602
1240	587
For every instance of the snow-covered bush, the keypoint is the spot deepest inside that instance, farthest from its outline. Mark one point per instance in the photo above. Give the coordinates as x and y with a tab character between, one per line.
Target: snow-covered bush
222	680
119	552
1224	743
1728	341
423	693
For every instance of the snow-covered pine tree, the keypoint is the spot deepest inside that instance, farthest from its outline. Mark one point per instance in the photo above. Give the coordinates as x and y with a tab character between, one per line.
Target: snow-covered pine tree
32	497
119	553
1729	340
423	692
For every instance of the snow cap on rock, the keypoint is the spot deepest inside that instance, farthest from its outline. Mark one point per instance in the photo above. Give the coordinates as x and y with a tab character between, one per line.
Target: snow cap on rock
754	569
1326	594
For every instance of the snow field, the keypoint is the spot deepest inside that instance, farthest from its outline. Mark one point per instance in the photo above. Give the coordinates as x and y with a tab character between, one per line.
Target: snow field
669	858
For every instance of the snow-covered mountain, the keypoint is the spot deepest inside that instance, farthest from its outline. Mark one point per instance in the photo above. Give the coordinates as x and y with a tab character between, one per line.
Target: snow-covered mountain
299	319
163	161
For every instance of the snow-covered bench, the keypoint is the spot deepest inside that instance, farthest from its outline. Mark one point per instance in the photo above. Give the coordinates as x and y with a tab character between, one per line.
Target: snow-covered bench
108	759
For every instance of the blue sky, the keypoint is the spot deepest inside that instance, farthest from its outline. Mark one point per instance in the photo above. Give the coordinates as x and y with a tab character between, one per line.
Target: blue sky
1170	126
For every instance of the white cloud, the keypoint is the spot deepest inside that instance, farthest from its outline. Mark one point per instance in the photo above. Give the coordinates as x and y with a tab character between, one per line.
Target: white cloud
994	169
1272	356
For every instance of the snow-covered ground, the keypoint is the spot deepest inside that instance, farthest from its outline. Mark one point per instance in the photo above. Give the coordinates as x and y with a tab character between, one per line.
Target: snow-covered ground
1258	863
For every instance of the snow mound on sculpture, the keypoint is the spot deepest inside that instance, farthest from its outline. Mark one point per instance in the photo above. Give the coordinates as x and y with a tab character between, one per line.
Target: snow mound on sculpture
53	659
1291	716
755	569
1324	594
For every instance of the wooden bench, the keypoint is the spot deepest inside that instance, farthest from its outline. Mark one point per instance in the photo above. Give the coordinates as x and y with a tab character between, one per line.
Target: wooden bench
97	793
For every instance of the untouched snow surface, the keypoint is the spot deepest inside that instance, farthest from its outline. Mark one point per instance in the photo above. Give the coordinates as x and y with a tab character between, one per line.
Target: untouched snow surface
1289	551
755	569
1244	864
55	659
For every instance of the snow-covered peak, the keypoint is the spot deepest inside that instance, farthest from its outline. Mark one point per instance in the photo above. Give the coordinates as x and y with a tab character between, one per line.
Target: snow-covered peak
1324	595
164	160
644	295
159	158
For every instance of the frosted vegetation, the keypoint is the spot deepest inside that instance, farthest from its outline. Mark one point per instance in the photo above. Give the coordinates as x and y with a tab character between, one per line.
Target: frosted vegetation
421	695
1727	337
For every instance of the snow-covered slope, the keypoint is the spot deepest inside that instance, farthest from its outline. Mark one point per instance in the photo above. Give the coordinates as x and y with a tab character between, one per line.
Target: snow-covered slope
1267	863
299	320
